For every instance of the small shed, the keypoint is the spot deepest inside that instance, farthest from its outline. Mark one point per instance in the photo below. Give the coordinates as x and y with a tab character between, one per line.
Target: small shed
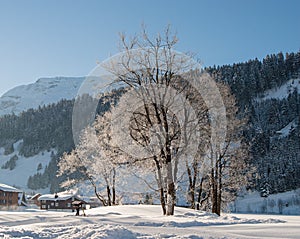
78	203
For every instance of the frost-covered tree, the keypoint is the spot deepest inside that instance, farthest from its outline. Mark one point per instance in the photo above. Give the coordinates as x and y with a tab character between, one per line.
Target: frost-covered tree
150	70
219	170
229	163
171	108
91	163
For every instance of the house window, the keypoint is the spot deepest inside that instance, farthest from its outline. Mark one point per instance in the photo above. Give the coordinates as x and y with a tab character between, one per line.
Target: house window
43	206
52	204
69	204
56	204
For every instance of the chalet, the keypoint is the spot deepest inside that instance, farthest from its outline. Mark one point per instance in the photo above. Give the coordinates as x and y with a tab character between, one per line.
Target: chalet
58	201
34	199
10	196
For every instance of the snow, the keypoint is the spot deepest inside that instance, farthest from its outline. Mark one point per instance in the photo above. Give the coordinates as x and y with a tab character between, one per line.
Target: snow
43	92
144	221
60	196
285	131
25	167
8	188
283	91
287	203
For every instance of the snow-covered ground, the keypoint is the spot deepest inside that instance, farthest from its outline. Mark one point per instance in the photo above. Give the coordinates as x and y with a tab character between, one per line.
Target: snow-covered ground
285	131
141	221
25	167
287	203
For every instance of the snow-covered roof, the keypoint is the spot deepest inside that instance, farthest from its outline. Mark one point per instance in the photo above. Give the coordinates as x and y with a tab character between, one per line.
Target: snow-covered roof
35	196
60	197
8	188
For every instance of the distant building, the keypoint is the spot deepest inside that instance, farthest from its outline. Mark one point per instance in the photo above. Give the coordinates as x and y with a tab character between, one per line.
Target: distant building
10	196
34	199
58	201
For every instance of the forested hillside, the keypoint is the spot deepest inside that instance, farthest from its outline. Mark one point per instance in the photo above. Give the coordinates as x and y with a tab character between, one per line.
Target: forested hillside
43	129
253	78
273	130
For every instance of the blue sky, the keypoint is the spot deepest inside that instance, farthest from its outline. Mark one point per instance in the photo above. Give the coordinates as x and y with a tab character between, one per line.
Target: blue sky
67	37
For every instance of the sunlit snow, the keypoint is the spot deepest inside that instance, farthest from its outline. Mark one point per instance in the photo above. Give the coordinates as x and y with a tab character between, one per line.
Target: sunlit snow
43	92
283	91
142	221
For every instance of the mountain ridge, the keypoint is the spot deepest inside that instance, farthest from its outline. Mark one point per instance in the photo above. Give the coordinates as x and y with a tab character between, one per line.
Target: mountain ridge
44	91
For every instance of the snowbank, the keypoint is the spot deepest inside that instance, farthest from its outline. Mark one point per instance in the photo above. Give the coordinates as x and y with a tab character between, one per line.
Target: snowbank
143	222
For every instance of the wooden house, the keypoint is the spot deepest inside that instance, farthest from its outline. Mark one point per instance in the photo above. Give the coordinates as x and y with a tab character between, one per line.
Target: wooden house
10	196
58	201
34	199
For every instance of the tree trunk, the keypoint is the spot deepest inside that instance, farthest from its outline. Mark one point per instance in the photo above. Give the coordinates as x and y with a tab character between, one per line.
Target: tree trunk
160	186
192	197
195	176
214	190
216	180
162	201
108	195
218	209
170	191
212	193
114	187
219	189
100	197
114	196
191	190
200	194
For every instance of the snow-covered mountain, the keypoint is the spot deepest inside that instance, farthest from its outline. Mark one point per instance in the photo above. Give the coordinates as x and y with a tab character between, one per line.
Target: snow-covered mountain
43	92
21	98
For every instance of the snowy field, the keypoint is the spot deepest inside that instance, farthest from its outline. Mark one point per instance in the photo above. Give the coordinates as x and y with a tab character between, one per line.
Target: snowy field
287	203
145	222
